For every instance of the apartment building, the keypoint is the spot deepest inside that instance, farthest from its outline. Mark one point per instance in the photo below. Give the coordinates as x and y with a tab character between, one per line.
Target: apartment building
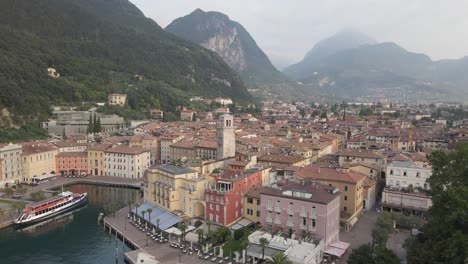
117	99
225	197
402	174
11	163
176	189
301	210
72	163
123	161
96	159
350	184
38	158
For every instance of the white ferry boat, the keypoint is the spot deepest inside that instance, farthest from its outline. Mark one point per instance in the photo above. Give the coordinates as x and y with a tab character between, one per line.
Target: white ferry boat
49	208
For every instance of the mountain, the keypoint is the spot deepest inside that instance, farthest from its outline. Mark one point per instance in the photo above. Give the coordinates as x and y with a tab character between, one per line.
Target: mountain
343	40
387	69
99	47
215	31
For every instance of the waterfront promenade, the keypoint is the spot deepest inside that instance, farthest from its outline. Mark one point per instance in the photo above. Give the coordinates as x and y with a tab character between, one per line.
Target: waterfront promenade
97	180
161	251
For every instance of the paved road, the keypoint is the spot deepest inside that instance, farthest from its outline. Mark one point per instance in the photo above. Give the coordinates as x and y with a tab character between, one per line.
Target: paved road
396	240
360	234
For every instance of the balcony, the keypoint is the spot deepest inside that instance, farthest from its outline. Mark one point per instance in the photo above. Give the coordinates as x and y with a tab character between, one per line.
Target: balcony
303	214
269	208
290	224
277	221
290	211
277	209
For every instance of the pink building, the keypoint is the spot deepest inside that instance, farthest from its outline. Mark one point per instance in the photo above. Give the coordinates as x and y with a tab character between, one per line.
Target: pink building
305	209
72	163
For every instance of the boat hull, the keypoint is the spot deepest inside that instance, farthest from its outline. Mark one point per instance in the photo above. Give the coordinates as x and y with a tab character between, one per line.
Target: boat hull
38	220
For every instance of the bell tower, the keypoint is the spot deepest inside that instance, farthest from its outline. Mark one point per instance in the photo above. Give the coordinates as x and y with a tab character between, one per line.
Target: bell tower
226	139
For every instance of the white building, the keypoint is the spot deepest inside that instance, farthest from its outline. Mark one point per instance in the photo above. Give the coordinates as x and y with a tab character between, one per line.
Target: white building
298	252
10	169
123	161
226	137
223	101
165	147
401	174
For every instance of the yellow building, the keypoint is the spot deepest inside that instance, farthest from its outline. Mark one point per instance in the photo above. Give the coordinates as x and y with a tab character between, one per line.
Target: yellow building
252	204
350	185
37	158
176	189
96	159
117	99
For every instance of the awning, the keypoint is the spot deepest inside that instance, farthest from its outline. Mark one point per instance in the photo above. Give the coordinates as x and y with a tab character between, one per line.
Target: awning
244	222
334	251
337	248
159	216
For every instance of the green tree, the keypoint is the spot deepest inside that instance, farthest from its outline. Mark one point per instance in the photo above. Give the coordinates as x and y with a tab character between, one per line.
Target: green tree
365	254
200	232
183	228
444	239
149	210
208	223
98	128
263	244
90	125
279	258
382	228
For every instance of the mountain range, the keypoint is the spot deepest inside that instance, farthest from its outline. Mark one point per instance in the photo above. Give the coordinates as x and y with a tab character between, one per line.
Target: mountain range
99	47
353	64
216	32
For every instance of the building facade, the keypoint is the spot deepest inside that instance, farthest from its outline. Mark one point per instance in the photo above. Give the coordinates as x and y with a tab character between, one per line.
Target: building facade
302	210
123	161
72	163
176	189
117	99
96	159
38	158
11	163
402	174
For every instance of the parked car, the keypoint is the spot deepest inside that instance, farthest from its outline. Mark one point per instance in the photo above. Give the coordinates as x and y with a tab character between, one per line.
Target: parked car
17	196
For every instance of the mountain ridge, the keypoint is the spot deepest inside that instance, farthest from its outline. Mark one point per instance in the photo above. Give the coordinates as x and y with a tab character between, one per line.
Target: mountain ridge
217	32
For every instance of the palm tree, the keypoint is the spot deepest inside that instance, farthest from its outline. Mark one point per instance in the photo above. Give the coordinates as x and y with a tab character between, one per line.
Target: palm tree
143	213
149	210
183	228
157	223
263	243
200	232
279	258
208	223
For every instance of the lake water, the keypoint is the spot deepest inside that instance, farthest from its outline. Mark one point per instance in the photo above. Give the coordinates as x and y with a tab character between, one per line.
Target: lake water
72	238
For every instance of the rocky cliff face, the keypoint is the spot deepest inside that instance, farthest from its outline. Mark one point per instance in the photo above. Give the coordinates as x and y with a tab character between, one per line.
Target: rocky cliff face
230	40
229	46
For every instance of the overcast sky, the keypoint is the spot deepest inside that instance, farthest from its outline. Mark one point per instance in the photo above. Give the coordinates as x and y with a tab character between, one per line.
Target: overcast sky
286	29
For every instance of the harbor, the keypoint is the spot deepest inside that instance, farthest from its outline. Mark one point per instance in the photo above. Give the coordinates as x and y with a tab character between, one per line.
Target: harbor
72	238
118	225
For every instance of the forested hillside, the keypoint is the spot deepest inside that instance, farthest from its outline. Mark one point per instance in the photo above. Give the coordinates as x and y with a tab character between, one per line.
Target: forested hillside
99	47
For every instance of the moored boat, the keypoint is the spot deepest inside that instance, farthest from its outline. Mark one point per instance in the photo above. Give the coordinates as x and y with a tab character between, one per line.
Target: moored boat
49	208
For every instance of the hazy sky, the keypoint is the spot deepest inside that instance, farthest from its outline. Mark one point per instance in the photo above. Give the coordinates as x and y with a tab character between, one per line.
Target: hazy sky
285	30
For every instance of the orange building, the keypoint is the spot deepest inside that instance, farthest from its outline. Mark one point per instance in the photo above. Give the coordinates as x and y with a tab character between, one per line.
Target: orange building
72	163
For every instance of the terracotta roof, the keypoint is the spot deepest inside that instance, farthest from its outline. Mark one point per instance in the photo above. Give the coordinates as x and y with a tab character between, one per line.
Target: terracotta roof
320	193
362	153
66	144
72	154
36	147
281	159
125	149
100	147
254	191
328	174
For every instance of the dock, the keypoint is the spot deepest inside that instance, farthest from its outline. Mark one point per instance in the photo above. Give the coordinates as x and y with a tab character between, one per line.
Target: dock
119	227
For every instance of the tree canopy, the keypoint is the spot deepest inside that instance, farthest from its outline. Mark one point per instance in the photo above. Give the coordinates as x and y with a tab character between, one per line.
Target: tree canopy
444	239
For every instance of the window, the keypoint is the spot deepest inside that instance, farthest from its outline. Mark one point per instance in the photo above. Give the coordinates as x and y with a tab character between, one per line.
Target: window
249	200
258	201
418	174
313	212
346	188
346	198
258	213
391	172
304	221
345	208
211	206
313	223
217	207
404	173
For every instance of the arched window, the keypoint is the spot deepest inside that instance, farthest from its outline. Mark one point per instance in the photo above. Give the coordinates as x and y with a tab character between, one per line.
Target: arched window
391	172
